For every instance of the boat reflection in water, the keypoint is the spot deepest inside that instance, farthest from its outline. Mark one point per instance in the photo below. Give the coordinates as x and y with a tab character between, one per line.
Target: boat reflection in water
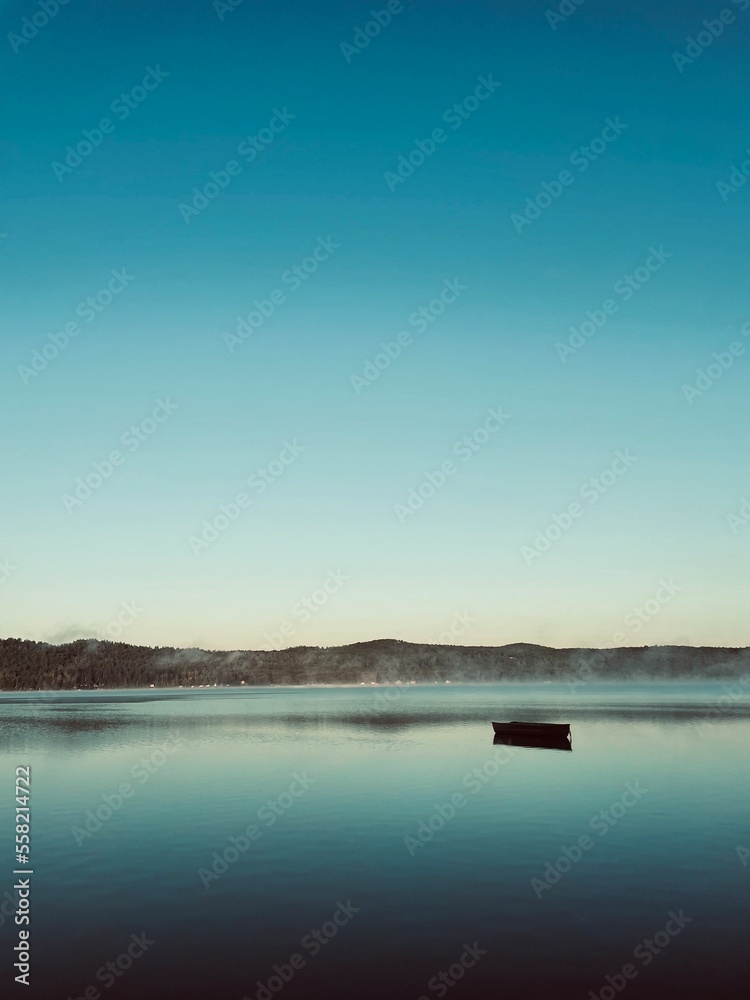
540	735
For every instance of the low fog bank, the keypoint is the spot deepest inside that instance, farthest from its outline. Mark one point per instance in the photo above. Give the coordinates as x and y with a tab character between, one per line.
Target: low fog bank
91	663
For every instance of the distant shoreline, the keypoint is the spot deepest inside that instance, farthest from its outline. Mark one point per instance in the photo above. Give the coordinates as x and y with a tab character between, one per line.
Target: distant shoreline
569	688
91	665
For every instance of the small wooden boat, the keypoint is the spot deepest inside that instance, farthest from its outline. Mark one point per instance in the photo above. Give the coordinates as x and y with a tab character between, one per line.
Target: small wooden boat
540	730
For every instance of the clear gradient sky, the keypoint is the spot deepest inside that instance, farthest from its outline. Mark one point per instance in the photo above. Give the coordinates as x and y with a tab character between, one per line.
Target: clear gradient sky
187	88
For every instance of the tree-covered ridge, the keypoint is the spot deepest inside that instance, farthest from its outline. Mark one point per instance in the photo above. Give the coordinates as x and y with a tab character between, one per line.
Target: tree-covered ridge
92	663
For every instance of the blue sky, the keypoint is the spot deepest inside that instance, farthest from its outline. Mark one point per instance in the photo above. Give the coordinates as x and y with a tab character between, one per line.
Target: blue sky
304	138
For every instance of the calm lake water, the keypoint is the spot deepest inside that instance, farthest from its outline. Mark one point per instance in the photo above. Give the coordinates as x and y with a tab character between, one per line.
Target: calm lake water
366	841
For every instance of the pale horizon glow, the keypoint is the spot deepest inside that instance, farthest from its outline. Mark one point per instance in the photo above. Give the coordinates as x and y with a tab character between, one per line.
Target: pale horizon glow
642	487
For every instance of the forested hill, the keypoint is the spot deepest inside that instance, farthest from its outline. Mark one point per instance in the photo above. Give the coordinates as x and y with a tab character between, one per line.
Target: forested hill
91	663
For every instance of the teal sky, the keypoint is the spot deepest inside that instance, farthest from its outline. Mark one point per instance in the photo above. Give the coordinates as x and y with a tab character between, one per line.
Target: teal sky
505	117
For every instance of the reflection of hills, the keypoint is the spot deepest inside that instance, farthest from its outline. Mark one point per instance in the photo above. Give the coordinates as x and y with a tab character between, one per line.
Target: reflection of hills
91	663
26	720
250	716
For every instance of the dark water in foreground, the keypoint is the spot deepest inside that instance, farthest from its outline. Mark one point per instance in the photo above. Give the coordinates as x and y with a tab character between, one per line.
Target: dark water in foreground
343	873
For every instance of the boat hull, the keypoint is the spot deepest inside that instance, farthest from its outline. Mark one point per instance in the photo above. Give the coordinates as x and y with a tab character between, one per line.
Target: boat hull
542	730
